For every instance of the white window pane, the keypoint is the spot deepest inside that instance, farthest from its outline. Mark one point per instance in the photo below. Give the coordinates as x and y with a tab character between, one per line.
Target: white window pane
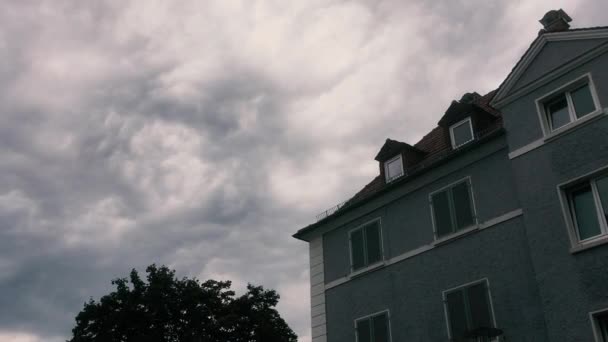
462	133
602	187
585	213
582	100
394	168
558	113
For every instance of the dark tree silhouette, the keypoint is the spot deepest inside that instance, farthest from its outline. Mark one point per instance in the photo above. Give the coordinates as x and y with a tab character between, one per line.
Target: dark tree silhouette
167	309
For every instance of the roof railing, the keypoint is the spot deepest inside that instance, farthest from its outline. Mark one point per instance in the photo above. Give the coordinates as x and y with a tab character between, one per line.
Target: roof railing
330	211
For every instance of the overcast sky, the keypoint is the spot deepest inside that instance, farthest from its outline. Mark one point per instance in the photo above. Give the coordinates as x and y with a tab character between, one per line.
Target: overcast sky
202	135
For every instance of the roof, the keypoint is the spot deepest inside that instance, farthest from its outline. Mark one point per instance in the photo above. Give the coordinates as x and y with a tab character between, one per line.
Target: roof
435	145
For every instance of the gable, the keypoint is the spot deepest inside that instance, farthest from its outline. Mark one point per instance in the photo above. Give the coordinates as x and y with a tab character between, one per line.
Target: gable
552	55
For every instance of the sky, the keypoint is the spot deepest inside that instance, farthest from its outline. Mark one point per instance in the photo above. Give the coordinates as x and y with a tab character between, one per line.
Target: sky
202	134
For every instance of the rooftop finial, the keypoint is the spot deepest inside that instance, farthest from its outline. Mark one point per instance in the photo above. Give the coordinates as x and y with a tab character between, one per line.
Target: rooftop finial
469	97
555	21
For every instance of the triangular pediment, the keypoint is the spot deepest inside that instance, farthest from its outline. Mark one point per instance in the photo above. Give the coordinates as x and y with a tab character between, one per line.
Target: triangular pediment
549	52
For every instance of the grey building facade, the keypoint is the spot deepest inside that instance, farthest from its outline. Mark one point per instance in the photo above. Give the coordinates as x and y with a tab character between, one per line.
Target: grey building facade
494	226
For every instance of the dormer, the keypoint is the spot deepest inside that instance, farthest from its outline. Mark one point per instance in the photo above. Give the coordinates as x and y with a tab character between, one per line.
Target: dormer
395	157
465	120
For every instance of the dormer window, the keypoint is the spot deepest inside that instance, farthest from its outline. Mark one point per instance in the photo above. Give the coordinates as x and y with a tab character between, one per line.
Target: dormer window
461	132
393	168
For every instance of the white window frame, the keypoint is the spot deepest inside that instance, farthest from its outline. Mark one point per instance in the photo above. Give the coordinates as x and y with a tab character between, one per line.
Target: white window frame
543	116
367	267
459	123
388	317
386	163
459	287
463	231
597	334
564	192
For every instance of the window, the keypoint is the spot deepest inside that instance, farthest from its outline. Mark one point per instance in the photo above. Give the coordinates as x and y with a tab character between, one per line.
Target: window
452	209
374	328
599	321
568	104
461	133
366	245
468	309
393	168
588	209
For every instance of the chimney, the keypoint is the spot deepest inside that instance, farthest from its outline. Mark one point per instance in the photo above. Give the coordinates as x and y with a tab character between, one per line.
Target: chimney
469	97
555	21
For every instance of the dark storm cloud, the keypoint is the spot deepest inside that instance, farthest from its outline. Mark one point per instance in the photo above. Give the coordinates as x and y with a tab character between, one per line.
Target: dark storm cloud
202	135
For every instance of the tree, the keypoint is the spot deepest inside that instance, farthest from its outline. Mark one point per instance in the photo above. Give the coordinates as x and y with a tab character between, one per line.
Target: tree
167	309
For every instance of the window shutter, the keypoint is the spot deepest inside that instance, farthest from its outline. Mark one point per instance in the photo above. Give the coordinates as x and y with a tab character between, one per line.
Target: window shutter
357	249
380	328
457	314
479	306
463	210
441	213
364	331
374	242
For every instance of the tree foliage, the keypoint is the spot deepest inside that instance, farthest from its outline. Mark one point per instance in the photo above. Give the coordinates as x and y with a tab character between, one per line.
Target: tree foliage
167	309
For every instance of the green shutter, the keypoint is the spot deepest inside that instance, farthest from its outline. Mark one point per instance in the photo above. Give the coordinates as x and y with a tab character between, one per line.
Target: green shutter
457	314
582	100
374	243
585	213
357	246
479	306
380	328
364	331
441	213
463	210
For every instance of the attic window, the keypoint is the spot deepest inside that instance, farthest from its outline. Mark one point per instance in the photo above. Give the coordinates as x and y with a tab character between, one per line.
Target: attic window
461	132
393	168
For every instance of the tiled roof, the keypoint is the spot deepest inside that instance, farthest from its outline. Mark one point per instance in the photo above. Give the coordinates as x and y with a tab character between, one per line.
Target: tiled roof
437	147
436	144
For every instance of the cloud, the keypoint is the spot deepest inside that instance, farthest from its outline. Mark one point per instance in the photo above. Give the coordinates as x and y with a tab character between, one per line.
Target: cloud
201	135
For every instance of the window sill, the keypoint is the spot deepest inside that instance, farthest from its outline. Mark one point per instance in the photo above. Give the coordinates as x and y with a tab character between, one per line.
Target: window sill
369	268
394	178
588	245
456	235
576	124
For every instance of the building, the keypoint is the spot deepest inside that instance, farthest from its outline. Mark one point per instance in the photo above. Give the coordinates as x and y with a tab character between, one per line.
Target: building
494	224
